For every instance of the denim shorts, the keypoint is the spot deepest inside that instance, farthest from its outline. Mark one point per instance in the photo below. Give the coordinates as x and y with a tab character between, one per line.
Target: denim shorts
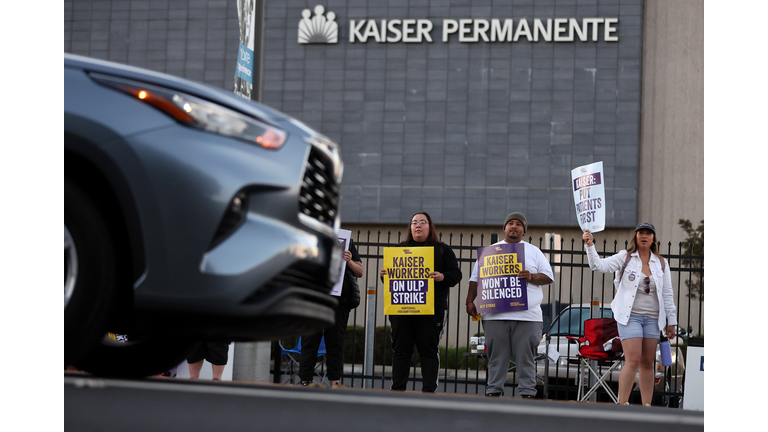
639	326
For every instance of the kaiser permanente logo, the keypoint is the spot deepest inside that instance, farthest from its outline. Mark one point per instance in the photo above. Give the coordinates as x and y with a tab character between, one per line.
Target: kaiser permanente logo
318	28
324	29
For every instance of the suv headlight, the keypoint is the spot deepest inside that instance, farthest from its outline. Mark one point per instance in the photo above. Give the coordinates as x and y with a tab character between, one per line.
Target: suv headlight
199	113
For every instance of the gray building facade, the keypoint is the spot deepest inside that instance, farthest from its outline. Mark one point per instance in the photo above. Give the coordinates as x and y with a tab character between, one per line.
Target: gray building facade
195	39
467	131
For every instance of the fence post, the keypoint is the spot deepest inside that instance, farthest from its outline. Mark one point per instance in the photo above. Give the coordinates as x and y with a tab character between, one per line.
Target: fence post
370	331
551	238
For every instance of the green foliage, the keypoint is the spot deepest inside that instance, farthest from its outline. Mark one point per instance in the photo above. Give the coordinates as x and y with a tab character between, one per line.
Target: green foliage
693	246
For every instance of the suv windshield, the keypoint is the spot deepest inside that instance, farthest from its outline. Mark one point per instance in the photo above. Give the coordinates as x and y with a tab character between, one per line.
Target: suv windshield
571	321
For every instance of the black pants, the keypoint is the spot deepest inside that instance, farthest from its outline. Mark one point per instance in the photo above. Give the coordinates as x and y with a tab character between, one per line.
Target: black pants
423	331
334	346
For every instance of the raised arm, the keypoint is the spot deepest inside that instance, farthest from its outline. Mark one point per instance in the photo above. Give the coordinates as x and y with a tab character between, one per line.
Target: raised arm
607	265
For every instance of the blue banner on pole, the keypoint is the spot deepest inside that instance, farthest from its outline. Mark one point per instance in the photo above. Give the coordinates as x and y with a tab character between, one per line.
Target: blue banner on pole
245	63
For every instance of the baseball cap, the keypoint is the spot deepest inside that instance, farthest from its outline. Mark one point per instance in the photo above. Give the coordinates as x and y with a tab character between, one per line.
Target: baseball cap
646	225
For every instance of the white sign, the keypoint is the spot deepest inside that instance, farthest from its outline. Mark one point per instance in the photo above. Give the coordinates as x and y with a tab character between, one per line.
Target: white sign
694	379
589	196
344	236
319	29
493	30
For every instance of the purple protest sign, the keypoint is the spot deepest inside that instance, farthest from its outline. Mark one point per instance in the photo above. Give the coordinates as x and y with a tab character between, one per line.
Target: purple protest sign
408	291
499	289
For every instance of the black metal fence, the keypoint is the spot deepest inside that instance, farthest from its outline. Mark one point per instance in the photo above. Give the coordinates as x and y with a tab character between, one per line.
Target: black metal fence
574	283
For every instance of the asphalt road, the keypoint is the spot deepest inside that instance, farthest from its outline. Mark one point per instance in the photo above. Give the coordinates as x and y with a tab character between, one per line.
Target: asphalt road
165	404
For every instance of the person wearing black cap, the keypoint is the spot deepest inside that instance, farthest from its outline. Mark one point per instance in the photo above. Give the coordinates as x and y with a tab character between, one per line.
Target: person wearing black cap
515	334
643	305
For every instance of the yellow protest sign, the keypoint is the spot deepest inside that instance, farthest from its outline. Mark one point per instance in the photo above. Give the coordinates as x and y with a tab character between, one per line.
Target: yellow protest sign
408	289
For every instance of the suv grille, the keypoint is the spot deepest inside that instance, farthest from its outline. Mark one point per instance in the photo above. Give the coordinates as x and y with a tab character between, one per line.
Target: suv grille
297	275
319	197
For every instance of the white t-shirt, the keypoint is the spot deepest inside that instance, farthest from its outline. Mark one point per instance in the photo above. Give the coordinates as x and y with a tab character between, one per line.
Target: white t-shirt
535	262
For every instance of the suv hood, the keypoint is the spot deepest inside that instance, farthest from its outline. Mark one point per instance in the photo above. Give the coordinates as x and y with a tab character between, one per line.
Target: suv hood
213	94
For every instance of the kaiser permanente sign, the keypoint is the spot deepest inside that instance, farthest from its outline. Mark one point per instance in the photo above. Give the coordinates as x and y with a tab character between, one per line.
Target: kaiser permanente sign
494	30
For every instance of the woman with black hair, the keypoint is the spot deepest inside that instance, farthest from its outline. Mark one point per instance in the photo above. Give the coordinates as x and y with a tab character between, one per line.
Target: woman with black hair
643	305
424	331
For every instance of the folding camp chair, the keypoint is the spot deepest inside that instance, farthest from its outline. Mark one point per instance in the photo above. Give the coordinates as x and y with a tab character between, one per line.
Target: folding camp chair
598	331
294	362
294	357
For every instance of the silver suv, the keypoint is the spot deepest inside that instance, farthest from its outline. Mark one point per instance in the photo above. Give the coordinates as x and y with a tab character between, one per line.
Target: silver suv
190	214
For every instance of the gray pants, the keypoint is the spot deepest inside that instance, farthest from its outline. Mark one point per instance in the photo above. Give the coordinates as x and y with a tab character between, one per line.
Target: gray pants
507	339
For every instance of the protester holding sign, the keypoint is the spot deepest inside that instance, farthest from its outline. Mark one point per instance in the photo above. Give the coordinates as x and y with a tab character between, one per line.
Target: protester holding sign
424	331
643	305
349	299
513	329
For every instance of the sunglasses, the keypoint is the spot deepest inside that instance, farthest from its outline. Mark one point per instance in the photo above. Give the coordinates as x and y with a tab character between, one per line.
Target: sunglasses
647	284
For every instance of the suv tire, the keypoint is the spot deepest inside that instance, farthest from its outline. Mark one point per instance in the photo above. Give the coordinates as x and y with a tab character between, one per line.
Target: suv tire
89	273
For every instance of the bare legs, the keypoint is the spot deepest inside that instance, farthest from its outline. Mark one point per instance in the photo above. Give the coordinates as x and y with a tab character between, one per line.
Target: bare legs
217	372
639	353
194	370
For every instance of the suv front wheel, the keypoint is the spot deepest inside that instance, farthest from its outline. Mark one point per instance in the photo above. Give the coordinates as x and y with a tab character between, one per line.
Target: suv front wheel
89	273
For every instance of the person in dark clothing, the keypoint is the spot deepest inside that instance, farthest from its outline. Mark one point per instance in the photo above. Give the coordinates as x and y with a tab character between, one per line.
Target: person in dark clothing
334	336
217	353
424	331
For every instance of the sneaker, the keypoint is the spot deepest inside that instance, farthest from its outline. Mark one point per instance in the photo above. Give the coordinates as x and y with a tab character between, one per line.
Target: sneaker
647	405
529	397
493	395
305	383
